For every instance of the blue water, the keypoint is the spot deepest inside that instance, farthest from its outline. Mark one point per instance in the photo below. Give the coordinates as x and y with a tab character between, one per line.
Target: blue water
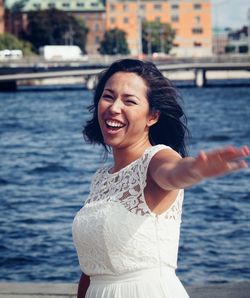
46	168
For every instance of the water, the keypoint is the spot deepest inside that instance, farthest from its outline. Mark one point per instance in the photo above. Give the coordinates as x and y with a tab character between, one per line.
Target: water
46	168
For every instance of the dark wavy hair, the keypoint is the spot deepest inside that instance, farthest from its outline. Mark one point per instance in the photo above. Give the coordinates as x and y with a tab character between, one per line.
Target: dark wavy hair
162	96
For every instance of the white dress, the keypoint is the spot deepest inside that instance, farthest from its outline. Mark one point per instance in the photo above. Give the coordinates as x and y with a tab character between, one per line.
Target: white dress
127	250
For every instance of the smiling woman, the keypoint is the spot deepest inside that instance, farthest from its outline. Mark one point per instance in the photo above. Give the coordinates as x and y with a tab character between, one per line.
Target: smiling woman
127	233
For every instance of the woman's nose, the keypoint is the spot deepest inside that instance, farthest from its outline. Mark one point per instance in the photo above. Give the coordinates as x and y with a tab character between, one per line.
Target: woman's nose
116	106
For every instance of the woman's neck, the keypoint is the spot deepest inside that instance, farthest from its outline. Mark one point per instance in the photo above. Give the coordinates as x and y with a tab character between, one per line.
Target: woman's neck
124	156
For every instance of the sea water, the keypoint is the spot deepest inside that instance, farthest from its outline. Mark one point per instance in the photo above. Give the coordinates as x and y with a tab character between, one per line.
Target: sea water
46	168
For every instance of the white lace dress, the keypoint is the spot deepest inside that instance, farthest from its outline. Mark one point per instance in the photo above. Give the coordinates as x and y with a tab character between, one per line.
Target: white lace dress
127	250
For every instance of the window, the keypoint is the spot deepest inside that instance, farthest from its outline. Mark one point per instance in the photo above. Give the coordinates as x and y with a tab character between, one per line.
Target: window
97	39
94	4
197	44
112	7
125	7
51	5
112	20
66	4
97	27
142	6
80	4
197	6
37	5
175	19
157	7
197	20
175	6
197	30
125	20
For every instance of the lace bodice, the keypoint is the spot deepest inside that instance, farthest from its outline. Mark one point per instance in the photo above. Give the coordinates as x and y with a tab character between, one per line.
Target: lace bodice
115	232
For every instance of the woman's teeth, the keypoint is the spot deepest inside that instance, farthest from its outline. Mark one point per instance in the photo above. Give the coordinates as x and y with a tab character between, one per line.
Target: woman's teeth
114	124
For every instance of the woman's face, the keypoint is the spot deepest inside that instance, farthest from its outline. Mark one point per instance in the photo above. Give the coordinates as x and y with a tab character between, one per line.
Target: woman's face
123	111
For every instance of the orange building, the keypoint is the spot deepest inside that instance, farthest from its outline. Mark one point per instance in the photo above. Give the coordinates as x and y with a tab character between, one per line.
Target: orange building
191	20
1	16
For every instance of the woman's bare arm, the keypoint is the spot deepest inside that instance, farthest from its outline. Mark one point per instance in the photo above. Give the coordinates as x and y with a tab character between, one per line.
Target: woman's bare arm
170	171
83	286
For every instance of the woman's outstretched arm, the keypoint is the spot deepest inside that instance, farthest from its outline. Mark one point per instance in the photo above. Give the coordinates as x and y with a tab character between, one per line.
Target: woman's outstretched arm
170	171
83	286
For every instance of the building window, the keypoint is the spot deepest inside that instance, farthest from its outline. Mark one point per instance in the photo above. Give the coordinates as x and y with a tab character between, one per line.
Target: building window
94	4
37	5
157	7
197	20
80	4
125	20
175	6
51	5
197	44
97	27
112	7
175	19
112	20
66	4
142	6
197	6
125	7
97	39
197	30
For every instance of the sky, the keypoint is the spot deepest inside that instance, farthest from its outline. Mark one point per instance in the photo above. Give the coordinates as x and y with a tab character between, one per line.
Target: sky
226	13
230	13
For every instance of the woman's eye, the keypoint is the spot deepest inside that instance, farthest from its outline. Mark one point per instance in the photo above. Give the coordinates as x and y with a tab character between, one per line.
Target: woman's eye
131	101
107	96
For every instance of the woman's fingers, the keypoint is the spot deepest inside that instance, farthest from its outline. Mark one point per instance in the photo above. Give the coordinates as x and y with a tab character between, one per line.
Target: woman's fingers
221	161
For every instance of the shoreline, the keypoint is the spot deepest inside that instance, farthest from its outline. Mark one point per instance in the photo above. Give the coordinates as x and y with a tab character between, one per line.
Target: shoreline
172	75
69	290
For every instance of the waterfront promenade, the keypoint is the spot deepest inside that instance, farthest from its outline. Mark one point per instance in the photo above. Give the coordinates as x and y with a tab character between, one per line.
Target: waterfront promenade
11	74
68	290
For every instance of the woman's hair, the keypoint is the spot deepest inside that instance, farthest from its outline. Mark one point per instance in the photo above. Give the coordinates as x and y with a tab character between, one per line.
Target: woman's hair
162	96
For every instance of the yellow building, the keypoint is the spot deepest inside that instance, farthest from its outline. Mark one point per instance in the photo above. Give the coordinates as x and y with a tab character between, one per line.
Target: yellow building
191	20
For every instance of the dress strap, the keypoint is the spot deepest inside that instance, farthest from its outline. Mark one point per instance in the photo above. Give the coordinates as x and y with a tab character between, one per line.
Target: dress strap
148	155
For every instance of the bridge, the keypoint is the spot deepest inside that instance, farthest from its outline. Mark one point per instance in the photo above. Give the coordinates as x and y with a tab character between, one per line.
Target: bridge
12	73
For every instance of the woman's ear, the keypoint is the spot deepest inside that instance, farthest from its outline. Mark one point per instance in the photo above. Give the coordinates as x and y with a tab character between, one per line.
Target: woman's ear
153	117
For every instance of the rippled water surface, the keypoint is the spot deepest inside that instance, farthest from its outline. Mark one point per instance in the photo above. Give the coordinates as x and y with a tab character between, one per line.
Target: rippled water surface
46	168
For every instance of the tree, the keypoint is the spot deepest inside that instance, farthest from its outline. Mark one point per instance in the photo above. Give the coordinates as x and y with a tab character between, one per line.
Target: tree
157	37
10	42
54	27
114	42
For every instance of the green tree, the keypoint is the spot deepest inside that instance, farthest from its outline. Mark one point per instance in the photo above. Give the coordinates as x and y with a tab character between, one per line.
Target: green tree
54	27
157	37
9	41
114	42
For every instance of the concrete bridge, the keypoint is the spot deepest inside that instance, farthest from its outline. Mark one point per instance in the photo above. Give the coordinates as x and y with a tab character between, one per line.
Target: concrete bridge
12	73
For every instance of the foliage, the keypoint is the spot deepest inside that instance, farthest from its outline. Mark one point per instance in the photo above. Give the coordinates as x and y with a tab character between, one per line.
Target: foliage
10	42
54	27
157	37
114	42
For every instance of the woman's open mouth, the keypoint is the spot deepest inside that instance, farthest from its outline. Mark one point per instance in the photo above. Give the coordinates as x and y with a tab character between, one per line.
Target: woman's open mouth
114	125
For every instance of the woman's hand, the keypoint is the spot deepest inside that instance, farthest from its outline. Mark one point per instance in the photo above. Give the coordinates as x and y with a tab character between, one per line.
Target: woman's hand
170	172
219	162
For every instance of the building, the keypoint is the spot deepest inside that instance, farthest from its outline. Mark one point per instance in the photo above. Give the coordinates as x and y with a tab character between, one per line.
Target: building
220	41
92	12
2	27
191	20
238	41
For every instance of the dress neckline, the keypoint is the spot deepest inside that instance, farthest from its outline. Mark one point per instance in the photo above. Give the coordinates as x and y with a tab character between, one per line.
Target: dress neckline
108	168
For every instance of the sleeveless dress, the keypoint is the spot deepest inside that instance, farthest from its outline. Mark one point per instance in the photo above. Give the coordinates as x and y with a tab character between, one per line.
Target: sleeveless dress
127	250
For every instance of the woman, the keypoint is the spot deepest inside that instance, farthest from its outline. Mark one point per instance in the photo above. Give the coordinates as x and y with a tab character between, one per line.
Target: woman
127	233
